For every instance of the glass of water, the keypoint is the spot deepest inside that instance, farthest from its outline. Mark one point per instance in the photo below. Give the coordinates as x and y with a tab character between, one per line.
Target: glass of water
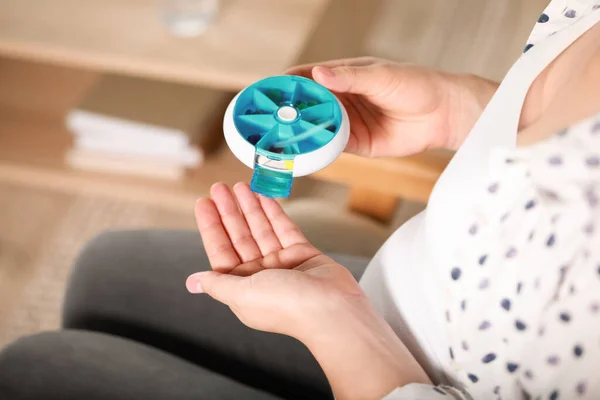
188	18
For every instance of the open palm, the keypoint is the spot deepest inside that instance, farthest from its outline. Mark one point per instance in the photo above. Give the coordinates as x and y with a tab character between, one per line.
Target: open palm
264	268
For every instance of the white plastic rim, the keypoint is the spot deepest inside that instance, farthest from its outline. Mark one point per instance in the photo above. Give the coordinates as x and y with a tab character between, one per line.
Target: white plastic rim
304	164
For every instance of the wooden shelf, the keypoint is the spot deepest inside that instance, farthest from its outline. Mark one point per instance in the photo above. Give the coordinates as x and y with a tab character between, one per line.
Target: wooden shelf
409	178
246	42
33	141
32	153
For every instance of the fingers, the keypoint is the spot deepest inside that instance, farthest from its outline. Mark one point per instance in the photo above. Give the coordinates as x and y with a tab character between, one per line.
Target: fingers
291	257
232	237
235	225
217	244
225	288
363	75
365	80
285	229
259	224
306	69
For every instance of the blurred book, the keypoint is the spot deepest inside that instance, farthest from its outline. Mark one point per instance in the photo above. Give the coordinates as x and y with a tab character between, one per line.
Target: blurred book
150	167
136	126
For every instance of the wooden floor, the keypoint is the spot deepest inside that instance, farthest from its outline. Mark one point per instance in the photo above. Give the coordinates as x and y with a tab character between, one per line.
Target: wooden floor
41	233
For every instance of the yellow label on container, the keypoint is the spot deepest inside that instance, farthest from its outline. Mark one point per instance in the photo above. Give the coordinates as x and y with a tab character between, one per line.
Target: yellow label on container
289	164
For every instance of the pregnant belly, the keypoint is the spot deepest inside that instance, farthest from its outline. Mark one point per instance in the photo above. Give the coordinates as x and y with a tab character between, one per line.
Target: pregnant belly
400	282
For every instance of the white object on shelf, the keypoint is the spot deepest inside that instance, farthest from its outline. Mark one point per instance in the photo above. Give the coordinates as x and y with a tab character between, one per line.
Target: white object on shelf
117	130
189	157
188	18
124	165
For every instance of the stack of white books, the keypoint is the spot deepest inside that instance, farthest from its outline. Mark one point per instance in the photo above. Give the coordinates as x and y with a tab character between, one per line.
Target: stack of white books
141	127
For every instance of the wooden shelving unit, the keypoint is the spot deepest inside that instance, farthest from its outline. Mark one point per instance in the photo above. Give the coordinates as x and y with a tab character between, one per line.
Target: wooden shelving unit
33	141
55	50
35	157
250	39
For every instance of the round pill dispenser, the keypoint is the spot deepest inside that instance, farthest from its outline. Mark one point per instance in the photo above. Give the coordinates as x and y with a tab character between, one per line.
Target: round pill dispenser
285	127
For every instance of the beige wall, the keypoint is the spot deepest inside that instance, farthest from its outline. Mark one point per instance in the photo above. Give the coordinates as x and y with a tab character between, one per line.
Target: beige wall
478	36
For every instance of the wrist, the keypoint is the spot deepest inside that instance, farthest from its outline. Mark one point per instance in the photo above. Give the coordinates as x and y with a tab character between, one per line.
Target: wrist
481	89
356	336
469	94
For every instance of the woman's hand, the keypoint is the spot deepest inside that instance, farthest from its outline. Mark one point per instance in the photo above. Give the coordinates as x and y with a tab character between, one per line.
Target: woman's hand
264	269
274	280
398	110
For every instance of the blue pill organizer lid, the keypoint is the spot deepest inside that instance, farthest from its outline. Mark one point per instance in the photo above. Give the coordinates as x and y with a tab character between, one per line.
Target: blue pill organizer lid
285	118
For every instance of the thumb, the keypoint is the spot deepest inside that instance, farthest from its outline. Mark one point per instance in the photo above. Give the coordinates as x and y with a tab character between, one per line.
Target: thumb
365	80
225	288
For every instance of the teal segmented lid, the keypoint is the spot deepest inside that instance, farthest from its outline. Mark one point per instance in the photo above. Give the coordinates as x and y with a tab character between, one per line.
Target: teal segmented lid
283	116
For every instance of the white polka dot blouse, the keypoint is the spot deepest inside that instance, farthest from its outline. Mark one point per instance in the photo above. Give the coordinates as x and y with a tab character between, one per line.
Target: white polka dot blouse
523	310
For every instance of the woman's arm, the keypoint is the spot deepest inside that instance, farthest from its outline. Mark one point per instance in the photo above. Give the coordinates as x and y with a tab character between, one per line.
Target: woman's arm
471	95
361	355
274	280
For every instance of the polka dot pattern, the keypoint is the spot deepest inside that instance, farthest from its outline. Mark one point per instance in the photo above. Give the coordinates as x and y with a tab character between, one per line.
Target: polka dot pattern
456	273
511	367
530	204
509	325
523	309
473	229
484	325
593	161
553	360
555	160
528	374
559	15
511	252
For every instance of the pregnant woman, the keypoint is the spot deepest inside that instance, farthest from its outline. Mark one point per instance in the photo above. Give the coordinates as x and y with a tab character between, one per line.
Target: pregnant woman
493	292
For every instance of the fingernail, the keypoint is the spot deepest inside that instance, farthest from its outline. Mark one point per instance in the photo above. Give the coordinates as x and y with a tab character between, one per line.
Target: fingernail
326	71
216	185
240	185
194	285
